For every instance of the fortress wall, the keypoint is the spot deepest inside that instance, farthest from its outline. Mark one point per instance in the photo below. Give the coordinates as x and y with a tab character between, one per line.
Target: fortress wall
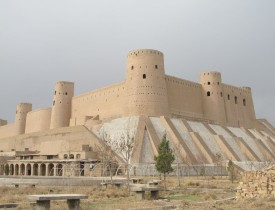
51	142
184	97
38	120
105	102
7	130
239	106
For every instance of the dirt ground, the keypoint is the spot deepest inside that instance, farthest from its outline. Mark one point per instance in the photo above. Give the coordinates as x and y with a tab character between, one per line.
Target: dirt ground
195	193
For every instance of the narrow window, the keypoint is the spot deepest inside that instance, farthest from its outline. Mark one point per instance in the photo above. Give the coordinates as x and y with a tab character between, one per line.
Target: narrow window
144	76
132	67
244	102
156	66
208	83
221	94
66	93
236	100
228	97
54	92
208	93
218	83
53	103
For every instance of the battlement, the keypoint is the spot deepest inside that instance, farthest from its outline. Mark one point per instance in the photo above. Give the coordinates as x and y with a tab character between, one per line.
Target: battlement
138	52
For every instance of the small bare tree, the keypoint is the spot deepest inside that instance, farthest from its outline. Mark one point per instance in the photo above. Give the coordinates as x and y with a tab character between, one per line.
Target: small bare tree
124	147
107	160
107	156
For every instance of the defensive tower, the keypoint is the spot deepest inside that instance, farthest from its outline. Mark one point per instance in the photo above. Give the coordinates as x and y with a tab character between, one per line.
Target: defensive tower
145	82
62	102
213	96
22	110
3	122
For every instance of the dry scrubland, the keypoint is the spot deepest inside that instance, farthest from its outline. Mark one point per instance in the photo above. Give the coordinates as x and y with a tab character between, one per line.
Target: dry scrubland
194	193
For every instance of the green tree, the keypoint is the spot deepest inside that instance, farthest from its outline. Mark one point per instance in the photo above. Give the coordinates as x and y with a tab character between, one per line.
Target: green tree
165	158
230	169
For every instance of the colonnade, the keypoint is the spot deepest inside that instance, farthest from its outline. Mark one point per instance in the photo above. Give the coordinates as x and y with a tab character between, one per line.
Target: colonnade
34	169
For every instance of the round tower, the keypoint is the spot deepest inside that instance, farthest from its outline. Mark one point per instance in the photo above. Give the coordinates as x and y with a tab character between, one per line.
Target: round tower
213	96
22	110
62	103
145	83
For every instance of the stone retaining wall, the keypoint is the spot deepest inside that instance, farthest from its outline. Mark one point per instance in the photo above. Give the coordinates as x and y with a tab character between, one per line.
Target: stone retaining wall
257	184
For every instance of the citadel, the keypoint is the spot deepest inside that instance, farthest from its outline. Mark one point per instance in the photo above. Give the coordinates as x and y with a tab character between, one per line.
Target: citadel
202	121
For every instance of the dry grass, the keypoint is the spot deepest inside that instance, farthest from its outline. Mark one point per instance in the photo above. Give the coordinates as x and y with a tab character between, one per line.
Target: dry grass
194	193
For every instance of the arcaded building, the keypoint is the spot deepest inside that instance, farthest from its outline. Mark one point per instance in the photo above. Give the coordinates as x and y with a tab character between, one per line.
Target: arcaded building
201	120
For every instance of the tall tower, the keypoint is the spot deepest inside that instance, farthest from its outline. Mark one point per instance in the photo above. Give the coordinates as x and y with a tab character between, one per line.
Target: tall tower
62	103
213	96
145	83
22	110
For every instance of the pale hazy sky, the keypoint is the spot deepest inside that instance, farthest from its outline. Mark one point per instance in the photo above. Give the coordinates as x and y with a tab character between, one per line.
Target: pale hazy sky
83	41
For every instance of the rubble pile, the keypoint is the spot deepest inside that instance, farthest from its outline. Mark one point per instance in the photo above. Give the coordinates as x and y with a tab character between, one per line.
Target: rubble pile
257	184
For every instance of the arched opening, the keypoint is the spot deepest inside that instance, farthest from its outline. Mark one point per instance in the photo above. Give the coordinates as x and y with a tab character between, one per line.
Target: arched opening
50	169
29	169
208	93
71	156
78	156
22	169
12	169
65	156
59	169
35	169
16	170
236	100
43	169
228	97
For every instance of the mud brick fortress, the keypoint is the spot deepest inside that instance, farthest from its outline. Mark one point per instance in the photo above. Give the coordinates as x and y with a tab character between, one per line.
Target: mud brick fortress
201	120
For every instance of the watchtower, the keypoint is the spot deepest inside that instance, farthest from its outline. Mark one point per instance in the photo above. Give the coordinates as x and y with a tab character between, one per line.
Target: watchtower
145	82
213	96
62	103
22	110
